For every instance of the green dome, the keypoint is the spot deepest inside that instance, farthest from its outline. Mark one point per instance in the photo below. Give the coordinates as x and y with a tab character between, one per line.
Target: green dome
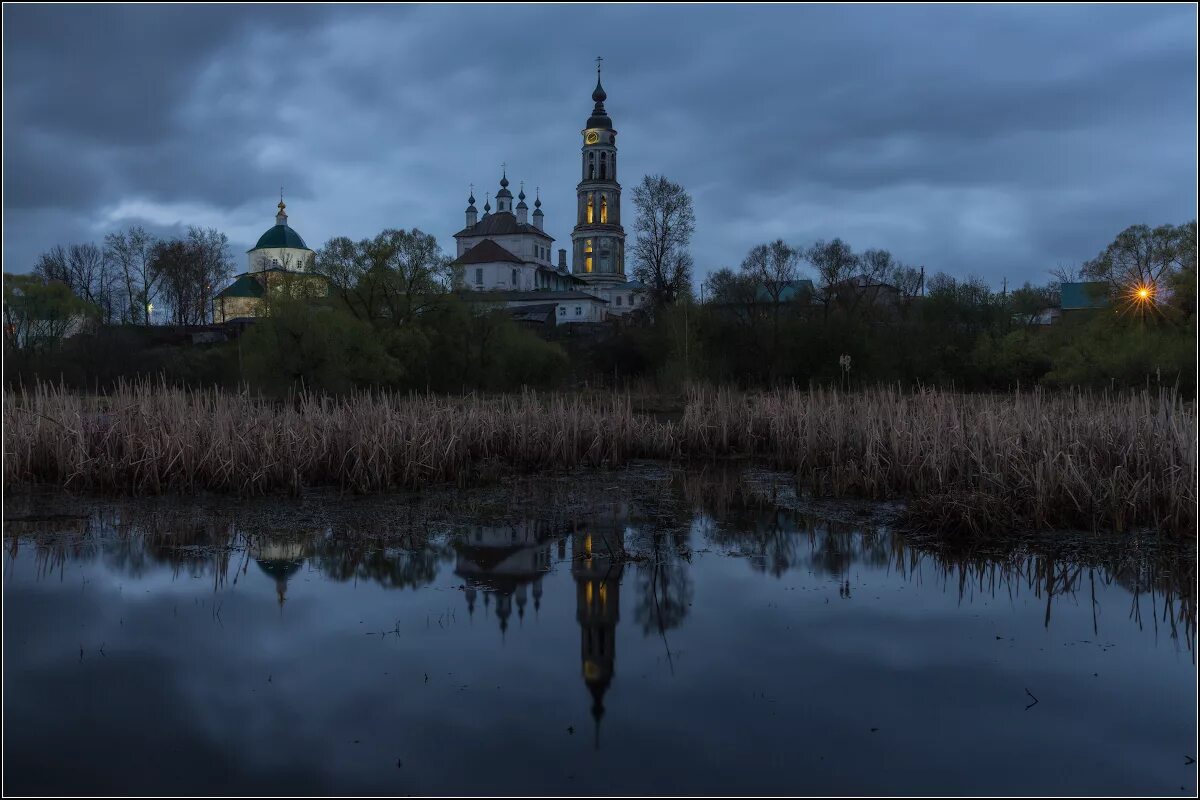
280	236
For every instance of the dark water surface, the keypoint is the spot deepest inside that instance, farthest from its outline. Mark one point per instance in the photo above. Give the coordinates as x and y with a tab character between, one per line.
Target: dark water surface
653	632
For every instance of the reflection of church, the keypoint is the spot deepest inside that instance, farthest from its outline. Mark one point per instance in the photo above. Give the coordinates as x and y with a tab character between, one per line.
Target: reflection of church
280	560
500	562
504	561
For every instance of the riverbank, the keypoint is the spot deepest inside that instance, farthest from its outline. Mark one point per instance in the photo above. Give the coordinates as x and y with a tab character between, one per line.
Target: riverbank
974	464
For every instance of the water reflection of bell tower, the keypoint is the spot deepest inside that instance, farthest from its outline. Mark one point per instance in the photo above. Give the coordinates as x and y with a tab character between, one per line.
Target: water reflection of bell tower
596	565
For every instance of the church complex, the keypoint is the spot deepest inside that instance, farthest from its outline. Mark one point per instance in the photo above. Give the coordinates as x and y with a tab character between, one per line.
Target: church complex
504	256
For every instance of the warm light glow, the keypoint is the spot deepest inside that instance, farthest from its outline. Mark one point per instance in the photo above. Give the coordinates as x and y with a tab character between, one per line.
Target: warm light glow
590	210
603	209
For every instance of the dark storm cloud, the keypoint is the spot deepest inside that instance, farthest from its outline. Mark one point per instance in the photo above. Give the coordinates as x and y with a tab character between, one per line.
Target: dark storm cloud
1000	141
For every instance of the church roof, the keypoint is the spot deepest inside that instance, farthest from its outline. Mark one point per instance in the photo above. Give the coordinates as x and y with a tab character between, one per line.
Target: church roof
502	223
244	286
487	252
281	235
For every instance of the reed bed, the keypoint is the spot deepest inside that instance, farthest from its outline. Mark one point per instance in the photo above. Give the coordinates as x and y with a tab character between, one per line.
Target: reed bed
972	463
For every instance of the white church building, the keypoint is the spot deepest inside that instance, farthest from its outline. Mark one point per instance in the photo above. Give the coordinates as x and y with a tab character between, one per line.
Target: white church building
510	258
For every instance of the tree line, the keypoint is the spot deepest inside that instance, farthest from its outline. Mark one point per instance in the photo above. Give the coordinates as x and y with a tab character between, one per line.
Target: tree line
819	312
122	280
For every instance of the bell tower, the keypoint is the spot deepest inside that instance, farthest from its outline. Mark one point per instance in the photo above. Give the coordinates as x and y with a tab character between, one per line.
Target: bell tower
598	240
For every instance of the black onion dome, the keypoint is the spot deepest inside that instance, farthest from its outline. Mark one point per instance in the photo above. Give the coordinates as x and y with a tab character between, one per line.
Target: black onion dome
599	94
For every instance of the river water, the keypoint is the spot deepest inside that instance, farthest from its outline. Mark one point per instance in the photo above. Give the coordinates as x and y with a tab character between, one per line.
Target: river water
648	631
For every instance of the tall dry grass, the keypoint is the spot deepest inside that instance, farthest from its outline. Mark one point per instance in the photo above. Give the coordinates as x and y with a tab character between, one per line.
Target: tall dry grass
1047	460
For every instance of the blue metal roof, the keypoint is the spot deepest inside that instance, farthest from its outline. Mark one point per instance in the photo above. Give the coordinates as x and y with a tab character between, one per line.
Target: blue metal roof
280	236
1085	294
794	289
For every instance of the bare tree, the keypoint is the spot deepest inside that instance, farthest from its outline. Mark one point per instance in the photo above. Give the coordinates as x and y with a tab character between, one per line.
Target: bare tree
665	224
874	266
52	266
773	268
214	265
87	271
1142	256
132	253
908	280
835	263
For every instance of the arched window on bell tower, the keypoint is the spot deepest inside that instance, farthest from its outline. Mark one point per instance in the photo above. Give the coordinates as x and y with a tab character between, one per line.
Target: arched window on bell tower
603	209
587	255
591	172
603	166
591	210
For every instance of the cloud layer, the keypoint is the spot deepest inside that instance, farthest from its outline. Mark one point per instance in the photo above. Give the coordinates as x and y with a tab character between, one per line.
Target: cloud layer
999	141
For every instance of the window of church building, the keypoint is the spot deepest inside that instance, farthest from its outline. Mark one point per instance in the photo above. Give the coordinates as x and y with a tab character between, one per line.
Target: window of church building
618	299
605	256
591	208
578	310
603	209
562	311
587	255
514	277
274	262
603	165
591	173
479	275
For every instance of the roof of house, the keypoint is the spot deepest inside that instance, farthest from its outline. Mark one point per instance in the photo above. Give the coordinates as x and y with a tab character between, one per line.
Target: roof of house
539	312
281	235
502	223
1085	294
487	252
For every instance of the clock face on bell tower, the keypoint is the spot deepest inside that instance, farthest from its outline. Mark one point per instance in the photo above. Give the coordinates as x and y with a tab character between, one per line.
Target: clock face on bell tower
592	137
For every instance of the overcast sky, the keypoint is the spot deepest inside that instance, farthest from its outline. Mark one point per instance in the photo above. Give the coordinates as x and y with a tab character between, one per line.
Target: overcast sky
998	141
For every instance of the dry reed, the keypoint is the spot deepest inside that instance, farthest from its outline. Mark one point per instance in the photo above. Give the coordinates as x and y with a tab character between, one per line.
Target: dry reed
1047	460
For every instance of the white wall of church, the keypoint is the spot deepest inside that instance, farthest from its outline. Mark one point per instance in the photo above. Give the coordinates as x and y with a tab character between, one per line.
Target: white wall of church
500	275
292	258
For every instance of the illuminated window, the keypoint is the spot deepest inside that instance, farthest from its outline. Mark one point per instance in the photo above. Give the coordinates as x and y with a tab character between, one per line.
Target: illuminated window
591	209
603	209
587	255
